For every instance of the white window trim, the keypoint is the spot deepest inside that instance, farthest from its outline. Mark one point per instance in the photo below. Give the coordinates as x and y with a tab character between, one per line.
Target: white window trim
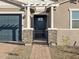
71	17
13	12
75	19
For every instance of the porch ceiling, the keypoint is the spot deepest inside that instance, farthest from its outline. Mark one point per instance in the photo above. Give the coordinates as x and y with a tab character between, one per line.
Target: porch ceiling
32	3
14	2
22	3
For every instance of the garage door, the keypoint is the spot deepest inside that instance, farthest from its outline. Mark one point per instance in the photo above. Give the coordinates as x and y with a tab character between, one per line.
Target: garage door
10	27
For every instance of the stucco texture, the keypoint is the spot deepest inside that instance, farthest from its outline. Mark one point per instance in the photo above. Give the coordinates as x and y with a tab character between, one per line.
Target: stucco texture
27	36
61	15
68	37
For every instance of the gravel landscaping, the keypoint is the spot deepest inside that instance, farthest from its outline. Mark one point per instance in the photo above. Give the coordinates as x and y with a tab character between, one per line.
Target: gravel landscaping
64	52
21	52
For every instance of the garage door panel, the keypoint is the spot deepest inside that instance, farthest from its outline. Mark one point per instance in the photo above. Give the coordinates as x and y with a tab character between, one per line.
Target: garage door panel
6	35
10	27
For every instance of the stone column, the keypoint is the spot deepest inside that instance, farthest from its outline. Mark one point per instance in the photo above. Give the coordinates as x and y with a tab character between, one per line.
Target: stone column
27	31
52	33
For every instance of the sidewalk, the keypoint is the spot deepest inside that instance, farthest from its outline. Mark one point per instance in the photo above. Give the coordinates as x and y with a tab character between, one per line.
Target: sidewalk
40	52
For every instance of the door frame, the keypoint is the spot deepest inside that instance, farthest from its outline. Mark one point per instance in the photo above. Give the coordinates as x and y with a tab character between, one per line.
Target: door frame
46	23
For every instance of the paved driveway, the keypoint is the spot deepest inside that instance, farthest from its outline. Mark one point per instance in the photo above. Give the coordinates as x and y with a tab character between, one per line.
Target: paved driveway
5	49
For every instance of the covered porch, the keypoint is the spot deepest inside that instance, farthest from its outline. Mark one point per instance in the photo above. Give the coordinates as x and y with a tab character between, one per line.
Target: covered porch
29	29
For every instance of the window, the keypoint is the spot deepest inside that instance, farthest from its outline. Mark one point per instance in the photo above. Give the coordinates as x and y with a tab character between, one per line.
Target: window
74	21
40	19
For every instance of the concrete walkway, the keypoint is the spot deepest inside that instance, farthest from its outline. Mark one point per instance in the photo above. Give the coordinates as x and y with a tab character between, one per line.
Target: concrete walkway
40	52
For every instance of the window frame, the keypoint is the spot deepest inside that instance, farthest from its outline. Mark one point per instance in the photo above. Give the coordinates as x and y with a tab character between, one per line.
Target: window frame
70	14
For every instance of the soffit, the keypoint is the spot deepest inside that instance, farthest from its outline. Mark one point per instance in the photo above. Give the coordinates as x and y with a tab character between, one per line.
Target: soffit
7	5
36	1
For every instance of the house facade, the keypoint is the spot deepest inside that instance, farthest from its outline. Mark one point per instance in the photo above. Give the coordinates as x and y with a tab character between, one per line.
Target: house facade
53	21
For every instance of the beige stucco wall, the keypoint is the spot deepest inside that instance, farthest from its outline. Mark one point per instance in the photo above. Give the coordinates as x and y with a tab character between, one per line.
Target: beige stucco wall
67	37
61	15
9	9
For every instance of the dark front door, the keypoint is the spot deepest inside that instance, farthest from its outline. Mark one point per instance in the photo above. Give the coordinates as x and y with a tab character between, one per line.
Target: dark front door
40	22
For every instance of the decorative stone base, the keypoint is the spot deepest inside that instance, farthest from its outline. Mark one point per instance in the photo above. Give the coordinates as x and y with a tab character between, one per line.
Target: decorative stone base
63	37
52	37
27	36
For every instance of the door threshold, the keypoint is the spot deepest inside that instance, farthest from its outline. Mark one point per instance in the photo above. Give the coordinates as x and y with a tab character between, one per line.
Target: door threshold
40	41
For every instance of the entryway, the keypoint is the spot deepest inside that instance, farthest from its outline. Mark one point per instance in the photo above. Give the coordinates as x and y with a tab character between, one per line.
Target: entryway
40	52
40	26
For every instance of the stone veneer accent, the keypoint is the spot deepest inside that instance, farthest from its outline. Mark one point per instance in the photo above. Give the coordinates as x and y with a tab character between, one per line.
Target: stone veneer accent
52	37
63	37
27	36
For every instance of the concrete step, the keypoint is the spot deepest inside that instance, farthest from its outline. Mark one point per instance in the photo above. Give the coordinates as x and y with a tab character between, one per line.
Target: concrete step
40	41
